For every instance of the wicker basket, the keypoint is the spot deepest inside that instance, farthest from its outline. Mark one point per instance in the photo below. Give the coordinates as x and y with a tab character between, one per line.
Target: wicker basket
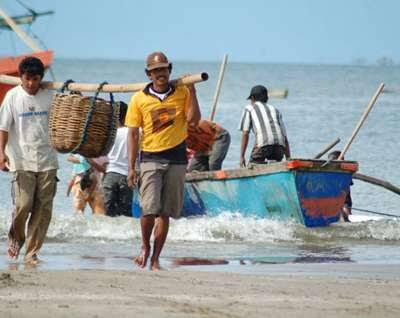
83	125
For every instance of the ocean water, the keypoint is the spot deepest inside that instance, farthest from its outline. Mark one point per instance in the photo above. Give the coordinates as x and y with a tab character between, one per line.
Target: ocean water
324	102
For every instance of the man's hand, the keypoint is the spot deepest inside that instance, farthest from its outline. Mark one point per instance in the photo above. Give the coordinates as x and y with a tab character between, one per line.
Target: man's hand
242	162
191	88
132	178
4	162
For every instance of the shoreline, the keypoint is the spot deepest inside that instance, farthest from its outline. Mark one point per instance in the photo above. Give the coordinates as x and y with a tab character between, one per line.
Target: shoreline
303	292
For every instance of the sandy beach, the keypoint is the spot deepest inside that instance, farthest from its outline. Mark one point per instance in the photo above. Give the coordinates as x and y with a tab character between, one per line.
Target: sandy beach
296	291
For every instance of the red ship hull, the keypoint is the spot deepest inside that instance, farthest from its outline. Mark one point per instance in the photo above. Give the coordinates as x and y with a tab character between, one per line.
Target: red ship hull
9	66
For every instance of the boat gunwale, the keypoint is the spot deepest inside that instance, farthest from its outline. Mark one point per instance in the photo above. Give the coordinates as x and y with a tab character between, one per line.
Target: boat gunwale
312	165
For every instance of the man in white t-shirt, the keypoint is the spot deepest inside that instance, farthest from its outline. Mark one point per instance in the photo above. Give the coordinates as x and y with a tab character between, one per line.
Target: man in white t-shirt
117	193
25	151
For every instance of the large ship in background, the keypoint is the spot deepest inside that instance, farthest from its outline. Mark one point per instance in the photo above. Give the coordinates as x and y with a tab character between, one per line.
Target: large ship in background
9	64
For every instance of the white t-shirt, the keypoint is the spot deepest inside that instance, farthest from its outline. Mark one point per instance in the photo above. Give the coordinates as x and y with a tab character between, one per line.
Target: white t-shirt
118	155
25	118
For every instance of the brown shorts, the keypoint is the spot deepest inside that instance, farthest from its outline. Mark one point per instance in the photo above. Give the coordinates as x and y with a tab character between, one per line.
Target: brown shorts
162	188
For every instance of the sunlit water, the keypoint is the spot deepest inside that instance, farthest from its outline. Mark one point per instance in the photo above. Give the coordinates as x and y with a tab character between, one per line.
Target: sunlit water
324	102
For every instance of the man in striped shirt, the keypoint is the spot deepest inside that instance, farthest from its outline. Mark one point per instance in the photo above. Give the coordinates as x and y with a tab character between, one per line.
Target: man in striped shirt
266	122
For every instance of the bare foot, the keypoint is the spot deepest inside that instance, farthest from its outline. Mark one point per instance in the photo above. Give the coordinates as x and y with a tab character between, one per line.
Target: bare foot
34	260
13	249
155	265
141	260
12	254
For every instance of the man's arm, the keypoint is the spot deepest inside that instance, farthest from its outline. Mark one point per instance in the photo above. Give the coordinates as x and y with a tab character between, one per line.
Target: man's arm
287	149
4	161
193	114
283	129
243	147
133	148
95	165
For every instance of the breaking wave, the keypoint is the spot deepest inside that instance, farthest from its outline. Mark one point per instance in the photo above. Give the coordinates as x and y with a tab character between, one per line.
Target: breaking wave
226	227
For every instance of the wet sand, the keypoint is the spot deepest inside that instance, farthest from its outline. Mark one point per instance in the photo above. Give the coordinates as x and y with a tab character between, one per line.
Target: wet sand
324	290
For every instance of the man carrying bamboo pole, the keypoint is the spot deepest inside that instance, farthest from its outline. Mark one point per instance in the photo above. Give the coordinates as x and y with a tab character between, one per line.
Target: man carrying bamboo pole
267	124
24	130
163	111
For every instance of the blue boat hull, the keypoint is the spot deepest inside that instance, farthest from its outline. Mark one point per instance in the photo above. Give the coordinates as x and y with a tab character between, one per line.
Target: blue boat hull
307	195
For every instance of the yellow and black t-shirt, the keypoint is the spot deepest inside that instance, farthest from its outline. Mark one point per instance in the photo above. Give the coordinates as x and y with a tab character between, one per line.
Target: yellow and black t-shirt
163	123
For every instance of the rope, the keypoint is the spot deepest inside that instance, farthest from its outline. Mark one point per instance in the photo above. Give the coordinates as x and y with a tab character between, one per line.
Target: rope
378	213
89	115
65	85
35	36
112	123
31	11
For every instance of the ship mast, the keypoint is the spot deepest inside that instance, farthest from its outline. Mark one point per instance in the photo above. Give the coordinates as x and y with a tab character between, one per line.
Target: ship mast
21	33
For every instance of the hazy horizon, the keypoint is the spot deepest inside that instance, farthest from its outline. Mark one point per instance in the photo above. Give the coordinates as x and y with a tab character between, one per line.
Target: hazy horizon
285	32
136	60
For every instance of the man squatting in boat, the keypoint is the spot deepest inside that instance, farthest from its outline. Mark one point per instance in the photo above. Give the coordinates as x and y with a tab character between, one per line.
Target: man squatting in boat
208	143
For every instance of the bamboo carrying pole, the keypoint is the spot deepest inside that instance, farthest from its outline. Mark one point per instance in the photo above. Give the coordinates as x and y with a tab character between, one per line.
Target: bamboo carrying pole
108	88
327	148
21	33
362	119
278	93
218	88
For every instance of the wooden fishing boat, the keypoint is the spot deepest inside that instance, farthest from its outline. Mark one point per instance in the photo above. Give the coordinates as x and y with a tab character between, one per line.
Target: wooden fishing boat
309	192
9	64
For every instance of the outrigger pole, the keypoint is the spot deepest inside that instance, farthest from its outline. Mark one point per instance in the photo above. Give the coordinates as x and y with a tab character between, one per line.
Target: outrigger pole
360	123
218	88
327	148
362	119
378	182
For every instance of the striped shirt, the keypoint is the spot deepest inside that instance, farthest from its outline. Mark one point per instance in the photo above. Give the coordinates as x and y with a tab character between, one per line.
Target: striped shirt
266	123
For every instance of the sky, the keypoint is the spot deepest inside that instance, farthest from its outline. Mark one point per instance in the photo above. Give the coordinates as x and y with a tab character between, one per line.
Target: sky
278	31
